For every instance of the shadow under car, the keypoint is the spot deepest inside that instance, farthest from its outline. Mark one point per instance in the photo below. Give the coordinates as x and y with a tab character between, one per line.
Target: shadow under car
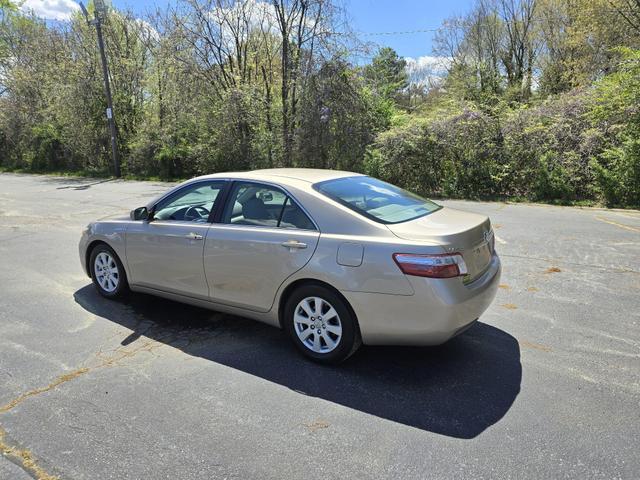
458	389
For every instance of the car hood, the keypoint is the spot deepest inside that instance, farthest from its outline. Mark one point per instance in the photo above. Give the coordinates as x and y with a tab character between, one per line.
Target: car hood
119	217
446	226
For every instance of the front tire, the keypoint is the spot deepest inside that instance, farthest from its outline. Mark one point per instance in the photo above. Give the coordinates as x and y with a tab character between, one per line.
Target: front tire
107	272
321	324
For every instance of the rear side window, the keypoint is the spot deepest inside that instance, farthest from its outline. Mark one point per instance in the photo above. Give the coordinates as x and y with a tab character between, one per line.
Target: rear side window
294	217
264	206
377	200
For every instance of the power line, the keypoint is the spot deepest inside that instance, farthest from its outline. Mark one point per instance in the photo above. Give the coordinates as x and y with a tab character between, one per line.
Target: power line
405	32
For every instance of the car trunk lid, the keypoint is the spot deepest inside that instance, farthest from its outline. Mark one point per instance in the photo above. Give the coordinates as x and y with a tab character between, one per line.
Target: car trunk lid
467	233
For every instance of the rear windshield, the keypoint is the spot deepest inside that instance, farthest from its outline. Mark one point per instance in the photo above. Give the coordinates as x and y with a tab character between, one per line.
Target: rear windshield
376	199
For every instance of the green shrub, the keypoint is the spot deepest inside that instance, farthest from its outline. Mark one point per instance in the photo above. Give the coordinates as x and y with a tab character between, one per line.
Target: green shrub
553	180
46	150
616	110
408	156
617	173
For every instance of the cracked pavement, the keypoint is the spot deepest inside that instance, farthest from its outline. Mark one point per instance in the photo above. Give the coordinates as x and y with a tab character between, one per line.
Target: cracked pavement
546	385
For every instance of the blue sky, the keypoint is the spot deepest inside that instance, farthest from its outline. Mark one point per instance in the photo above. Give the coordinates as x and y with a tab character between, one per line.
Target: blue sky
401	16
367	16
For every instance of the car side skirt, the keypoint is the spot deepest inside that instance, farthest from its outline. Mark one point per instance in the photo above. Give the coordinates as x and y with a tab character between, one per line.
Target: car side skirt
270	318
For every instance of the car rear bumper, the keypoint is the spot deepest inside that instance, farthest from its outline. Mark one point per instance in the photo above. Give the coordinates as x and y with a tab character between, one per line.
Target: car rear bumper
439	310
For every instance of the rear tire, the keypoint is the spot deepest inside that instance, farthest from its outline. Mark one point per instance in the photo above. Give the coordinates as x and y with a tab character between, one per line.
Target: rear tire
321	324
107	272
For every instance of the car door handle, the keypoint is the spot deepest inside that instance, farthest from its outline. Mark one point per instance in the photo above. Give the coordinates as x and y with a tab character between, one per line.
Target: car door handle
294	244
194	236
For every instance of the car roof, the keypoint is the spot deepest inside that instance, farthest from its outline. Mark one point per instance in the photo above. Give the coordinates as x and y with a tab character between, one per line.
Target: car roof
286	177
280	175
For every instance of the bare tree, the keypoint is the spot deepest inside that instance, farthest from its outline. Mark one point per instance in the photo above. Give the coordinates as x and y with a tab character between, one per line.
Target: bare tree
484	35
219	37
304	26
449	40
629	10
474	45
520	47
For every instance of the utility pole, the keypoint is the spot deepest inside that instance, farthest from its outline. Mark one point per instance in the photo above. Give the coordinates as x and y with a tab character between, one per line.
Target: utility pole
99	11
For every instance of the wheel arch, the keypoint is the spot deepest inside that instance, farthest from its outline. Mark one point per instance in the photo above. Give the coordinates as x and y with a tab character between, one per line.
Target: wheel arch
293	286
87	254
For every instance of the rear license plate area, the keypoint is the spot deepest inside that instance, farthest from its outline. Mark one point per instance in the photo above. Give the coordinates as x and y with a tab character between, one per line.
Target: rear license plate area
478	259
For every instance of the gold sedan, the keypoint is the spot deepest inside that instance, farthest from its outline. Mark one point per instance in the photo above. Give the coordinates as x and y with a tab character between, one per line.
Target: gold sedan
335	258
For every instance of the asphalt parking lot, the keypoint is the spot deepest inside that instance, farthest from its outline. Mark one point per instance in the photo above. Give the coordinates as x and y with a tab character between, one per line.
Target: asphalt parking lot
547	385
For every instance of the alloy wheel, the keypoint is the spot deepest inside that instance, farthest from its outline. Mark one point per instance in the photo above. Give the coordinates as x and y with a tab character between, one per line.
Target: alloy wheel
106	272
317	324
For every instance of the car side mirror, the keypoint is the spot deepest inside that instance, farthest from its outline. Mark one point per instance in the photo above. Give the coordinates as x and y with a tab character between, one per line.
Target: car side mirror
140	213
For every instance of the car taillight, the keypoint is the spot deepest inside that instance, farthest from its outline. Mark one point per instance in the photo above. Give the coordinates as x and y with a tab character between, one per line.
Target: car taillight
446	265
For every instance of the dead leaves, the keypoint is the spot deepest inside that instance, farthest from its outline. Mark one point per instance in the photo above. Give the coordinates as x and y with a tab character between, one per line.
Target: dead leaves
316	425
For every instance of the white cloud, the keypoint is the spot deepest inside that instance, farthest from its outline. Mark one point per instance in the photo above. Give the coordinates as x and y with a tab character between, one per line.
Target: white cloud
258	15
147	30
427	71
51	9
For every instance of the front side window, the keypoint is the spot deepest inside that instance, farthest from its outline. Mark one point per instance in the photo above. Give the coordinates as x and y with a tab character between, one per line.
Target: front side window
193	203
264	206
375	199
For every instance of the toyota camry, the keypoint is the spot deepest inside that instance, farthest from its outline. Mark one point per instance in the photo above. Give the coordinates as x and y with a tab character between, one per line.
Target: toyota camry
336	259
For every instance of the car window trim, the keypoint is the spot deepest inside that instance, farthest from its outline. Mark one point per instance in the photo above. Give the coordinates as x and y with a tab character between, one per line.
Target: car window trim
294	201
218	211
171	195
284	206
